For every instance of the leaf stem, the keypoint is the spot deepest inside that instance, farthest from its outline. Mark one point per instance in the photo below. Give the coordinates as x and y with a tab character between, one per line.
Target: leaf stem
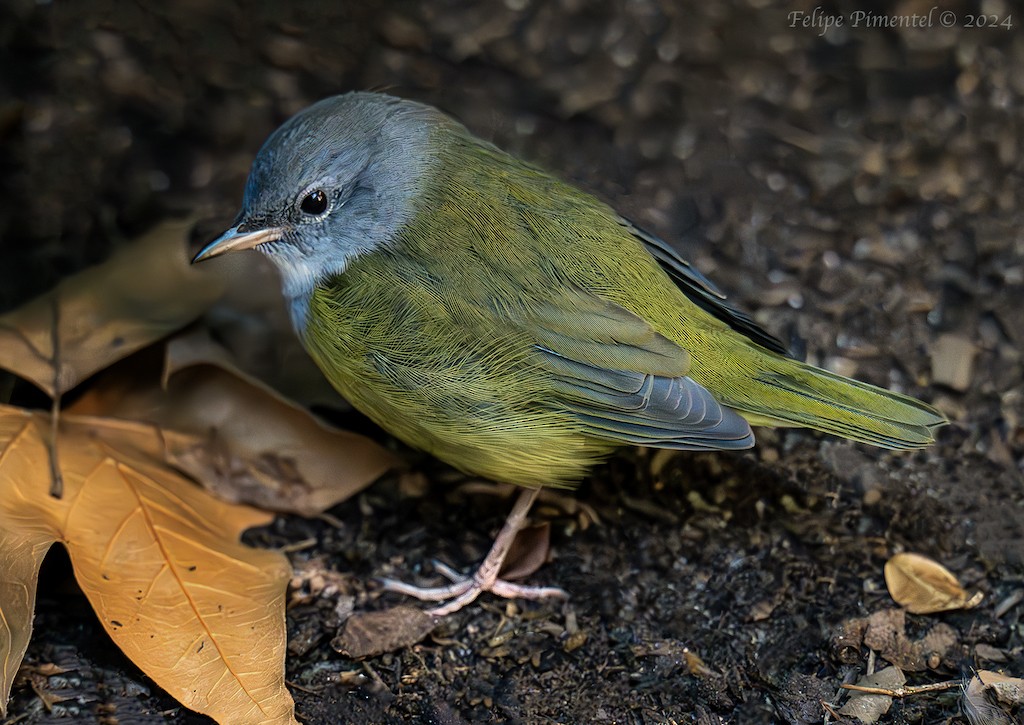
56	479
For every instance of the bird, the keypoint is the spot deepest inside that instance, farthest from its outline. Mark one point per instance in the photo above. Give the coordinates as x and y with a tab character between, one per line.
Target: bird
506	322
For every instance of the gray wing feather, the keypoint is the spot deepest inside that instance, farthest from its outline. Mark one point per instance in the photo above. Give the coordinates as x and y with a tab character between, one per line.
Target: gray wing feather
645	409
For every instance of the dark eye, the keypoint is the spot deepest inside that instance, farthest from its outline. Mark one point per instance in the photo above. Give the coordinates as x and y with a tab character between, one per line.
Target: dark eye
314	203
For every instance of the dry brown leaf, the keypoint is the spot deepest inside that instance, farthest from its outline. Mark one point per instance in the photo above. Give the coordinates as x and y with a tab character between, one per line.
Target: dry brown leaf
924	586
103	314
869	707
252	322
367	634
1008	690
986	692
238	437
158	558
21	555
528	553
886	633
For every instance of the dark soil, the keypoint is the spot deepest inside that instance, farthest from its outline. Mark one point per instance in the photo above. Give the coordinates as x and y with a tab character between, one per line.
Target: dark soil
859	191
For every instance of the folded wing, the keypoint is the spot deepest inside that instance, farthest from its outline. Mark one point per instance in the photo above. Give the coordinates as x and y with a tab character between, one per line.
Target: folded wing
625	382
702	291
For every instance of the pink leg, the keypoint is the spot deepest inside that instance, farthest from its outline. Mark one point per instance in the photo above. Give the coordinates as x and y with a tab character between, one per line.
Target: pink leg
463	590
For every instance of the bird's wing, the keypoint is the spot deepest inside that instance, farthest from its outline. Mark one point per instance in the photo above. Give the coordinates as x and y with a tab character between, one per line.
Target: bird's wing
625	382
702	291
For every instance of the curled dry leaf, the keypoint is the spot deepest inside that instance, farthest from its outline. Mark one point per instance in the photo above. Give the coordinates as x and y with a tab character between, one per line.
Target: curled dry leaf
105	313
236	436
258	448
529	552
253	324
924	586
158	558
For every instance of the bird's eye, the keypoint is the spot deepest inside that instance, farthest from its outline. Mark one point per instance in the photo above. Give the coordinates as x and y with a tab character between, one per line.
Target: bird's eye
314	203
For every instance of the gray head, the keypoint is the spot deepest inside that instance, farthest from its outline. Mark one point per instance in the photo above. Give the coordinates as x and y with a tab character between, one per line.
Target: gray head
336	180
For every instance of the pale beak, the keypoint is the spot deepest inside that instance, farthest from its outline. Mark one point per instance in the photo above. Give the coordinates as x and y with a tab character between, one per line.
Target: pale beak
232	240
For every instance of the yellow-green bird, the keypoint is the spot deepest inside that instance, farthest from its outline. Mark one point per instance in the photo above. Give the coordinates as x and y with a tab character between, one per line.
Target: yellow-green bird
516	327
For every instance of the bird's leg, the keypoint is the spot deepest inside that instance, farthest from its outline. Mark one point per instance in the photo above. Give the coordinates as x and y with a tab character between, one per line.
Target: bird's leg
567	504
464	590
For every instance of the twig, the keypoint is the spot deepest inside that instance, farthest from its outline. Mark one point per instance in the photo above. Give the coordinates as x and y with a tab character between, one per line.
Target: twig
904	691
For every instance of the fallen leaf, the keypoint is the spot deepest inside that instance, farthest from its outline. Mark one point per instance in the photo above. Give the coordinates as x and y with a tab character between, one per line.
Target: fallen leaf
923	586
105	313
885	632
236	436
980	693
847	639
158	558
528	553
1008	690
21	555
252	322
988	653
868	707
367	634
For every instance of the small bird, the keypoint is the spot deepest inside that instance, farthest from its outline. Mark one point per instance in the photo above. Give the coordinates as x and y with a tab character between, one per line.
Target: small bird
481	310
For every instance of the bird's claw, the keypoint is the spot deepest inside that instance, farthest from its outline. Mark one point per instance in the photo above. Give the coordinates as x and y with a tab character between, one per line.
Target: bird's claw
464	590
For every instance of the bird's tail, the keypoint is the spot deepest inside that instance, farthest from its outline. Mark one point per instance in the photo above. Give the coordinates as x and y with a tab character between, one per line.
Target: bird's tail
795	394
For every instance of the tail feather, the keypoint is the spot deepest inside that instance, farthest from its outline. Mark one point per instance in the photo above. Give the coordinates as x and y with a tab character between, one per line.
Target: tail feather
801	395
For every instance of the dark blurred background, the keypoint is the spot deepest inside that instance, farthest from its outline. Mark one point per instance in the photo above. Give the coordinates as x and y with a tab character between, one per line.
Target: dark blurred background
115	114
857	189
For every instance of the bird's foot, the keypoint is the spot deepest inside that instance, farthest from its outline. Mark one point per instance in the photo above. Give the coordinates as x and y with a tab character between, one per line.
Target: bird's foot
464	590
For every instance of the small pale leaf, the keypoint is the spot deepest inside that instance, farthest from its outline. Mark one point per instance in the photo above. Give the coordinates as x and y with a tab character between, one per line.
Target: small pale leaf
868	707
924	586
980	700
1008	690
